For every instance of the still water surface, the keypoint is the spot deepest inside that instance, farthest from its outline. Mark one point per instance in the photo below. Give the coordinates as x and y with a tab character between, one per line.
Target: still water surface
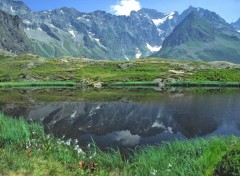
122	118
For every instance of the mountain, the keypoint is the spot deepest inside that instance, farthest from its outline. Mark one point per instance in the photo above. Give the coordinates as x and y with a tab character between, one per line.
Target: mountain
196	34
236	25
202	36
165	22
13	38
97	35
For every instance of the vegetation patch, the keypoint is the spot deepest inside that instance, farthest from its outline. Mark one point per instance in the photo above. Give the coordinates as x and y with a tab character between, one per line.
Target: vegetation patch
230	162
31	68
203	84
134	84
38	84
26	150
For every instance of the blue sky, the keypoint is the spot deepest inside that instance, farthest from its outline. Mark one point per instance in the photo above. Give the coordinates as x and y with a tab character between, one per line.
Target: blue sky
228	9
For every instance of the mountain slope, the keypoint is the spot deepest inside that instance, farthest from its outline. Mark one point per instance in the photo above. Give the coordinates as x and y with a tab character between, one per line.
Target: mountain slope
100	35
165	22
12	35
200	37
236	25
97	35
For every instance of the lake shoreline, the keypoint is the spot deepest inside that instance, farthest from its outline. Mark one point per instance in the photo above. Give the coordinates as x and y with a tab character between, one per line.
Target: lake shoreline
184	84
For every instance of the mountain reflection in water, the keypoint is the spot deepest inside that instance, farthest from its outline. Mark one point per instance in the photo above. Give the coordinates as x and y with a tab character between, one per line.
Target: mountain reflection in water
126	124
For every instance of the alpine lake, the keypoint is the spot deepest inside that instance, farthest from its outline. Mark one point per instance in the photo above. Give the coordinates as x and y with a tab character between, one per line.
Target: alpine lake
126	118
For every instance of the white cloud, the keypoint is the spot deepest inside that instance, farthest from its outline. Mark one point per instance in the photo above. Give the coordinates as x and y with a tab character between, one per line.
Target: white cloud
124	7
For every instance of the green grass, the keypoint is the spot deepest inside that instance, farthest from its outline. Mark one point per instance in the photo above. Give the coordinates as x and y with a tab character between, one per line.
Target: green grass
142	83
31	68
37	84
26	150
203	84
220	75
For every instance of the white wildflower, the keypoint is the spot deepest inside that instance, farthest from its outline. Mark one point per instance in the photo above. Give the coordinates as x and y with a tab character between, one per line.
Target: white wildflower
48	136
80	151
68	142
153	172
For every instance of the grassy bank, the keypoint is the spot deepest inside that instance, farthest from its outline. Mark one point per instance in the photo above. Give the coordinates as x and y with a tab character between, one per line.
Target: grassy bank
142	83
26	150
38	84
203	84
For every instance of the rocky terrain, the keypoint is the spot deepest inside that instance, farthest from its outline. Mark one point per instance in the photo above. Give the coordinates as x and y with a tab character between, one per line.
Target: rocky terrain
13	37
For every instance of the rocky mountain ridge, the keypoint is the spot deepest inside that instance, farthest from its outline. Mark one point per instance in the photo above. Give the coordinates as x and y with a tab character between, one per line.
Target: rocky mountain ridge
100	35
97	35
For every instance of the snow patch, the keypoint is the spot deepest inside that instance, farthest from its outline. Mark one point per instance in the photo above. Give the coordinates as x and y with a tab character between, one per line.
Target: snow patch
45	11
52	26
97	40
39	29
138	54
126	57
238	31
72	33
160	21
99	43
170	16
12	9
153	48
26	21
61	12
92	36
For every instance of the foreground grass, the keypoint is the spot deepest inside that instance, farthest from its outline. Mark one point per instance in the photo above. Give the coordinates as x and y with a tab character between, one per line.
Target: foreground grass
26	150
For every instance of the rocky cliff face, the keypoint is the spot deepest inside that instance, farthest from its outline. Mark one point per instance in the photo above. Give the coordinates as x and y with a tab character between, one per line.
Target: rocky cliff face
13	38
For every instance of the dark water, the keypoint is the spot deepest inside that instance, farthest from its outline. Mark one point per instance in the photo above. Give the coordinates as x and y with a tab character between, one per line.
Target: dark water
127	119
